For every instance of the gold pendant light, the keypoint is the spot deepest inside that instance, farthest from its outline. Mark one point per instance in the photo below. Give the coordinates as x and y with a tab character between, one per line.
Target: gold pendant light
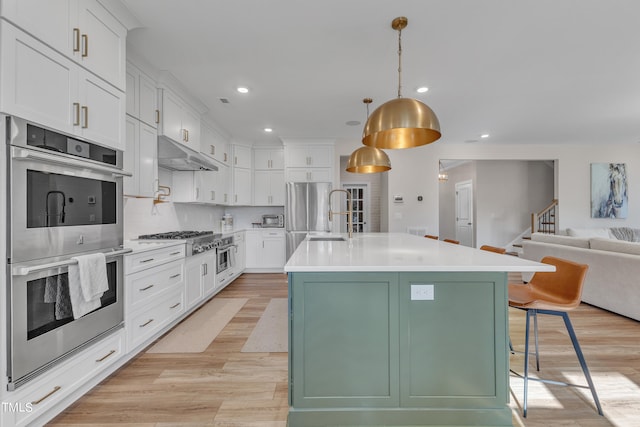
368	159
401	122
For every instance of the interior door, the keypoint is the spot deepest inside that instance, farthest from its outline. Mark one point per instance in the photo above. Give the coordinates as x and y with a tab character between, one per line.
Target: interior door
464	213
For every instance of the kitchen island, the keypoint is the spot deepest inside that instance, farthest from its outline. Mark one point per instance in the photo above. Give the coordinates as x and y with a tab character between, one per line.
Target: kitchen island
396	329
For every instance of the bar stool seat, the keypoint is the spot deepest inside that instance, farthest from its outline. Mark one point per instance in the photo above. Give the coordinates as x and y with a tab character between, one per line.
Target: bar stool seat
455	242
495	249
554	293
429	236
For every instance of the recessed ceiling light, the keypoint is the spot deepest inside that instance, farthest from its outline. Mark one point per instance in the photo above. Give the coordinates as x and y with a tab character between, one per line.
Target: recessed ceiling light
471	140
242	89
422	89
352	123
484	135
268	130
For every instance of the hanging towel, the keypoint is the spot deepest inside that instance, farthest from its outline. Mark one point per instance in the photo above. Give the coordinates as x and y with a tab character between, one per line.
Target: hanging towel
87	282
57	291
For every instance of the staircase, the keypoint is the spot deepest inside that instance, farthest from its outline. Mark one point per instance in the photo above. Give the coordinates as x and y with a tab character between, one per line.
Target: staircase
541	222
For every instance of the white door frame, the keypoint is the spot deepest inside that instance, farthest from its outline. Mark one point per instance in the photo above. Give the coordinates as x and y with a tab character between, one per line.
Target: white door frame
367	204
467	238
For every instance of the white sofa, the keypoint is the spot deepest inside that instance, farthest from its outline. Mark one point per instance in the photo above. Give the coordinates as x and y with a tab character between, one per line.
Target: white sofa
613	278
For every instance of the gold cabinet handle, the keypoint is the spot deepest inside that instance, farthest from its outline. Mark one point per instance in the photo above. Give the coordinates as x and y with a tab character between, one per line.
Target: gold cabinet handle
225	157
46	396
175	305
175	253
85	45
85	114
146	260
76	39
105	356
157	116
213	150
186	131
146	323
76	108
146	288
174	276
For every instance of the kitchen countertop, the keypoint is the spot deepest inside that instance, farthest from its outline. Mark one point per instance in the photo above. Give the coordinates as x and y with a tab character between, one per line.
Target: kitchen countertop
400	252
149	245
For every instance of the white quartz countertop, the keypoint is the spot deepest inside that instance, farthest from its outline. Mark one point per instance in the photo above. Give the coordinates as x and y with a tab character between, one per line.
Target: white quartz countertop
400	252
149	245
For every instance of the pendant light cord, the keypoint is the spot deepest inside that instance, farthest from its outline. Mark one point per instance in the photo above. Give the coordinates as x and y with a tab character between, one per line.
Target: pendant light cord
399	62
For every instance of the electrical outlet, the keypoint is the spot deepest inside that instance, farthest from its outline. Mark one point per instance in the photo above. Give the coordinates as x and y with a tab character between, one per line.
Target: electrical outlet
422	292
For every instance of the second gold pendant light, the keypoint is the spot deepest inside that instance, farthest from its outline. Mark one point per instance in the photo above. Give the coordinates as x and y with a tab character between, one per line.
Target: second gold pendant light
401	122
368	159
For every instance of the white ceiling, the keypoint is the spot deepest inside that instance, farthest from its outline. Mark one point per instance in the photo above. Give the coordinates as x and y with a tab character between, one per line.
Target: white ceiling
524	71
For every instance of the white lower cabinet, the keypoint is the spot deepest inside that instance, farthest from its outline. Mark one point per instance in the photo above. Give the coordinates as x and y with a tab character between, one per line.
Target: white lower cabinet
200	277
39	400
265	250
154	292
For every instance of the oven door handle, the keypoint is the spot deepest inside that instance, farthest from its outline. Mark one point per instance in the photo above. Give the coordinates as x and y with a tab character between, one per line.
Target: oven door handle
24	270
18	153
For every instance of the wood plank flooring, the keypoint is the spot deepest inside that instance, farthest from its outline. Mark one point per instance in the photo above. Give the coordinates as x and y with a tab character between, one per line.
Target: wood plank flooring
226	388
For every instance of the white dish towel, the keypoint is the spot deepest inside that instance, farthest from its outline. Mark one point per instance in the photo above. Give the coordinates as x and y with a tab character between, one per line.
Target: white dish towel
87	282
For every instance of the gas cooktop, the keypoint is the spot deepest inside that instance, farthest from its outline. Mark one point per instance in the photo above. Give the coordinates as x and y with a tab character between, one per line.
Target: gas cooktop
197	241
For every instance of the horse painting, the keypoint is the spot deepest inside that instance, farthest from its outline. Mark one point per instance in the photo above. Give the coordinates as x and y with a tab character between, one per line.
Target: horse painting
608	190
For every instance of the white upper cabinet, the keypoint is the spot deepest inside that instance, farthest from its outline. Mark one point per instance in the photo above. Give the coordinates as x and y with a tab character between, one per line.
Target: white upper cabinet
316	156
241	156
82	30
142	96
140	158
214	145
268	158
76	101
179	121
268	188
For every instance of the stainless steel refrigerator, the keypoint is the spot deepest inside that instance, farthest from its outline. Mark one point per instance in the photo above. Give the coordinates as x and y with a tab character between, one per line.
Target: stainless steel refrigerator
306	210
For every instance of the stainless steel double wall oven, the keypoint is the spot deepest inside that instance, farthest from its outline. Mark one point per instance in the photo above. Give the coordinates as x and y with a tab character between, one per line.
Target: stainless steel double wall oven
64	200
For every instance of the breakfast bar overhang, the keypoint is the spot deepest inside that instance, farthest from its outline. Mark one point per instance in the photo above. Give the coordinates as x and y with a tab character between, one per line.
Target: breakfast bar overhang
396	329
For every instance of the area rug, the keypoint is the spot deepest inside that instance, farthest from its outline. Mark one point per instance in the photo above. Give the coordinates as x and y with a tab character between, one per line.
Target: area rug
195	333
271	332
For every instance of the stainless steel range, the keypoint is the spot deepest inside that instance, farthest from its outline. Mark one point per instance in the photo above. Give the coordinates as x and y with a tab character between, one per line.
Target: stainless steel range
197	241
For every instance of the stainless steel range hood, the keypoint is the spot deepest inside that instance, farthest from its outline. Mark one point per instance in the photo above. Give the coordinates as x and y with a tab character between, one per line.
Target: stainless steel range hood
177	157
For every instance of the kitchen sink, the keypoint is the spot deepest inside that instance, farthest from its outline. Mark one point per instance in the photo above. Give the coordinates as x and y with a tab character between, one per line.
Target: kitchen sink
327	239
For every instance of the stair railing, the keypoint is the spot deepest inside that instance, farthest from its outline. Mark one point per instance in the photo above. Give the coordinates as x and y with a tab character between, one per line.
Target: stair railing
545	220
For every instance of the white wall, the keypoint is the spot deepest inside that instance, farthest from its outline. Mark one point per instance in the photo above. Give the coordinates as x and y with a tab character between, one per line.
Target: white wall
415	172
447	198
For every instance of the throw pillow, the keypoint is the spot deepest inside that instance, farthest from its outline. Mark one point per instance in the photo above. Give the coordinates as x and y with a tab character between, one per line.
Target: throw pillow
589	232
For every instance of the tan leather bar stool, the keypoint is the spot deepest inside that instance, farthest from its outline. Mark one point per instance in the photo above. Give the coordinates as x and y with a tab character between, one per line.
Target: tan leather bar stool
429	236
455	242
555	293
493	249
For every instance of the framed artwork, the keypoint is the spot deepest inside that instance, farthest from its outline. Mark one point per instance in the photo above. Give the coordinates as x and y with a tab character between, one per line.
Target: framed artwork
609	190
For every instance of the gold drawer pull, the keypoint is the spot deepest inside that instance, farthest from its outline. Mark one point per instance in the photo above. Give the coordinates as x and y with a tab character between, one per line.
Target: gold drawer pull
145	288
85	45
157	116
105	356
174	276
146	323
147	260
76	40
46	396
175	305
85	113
175	253
76	108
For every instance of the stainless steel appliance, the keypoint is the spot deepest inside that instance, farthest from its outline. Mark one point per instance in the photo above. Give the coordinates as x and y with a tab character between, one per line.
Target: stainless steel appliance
65	194
196	241
225	255
273	221
306	210
64	200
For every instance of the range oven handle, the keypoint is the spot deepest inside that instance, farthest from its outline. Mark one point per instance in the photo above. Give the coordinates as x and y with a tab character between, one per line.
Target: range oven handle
23	270
18	153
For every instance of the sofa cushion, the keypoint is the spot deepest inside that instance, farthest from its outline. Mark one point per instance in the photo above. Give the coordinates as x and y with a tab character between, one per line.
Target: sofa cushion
613	245
561	240
589	232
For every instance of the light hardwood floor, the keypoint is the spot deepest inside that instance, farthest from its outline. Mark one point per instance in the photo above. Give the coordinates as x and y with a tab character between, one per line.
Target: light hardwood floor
224	387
